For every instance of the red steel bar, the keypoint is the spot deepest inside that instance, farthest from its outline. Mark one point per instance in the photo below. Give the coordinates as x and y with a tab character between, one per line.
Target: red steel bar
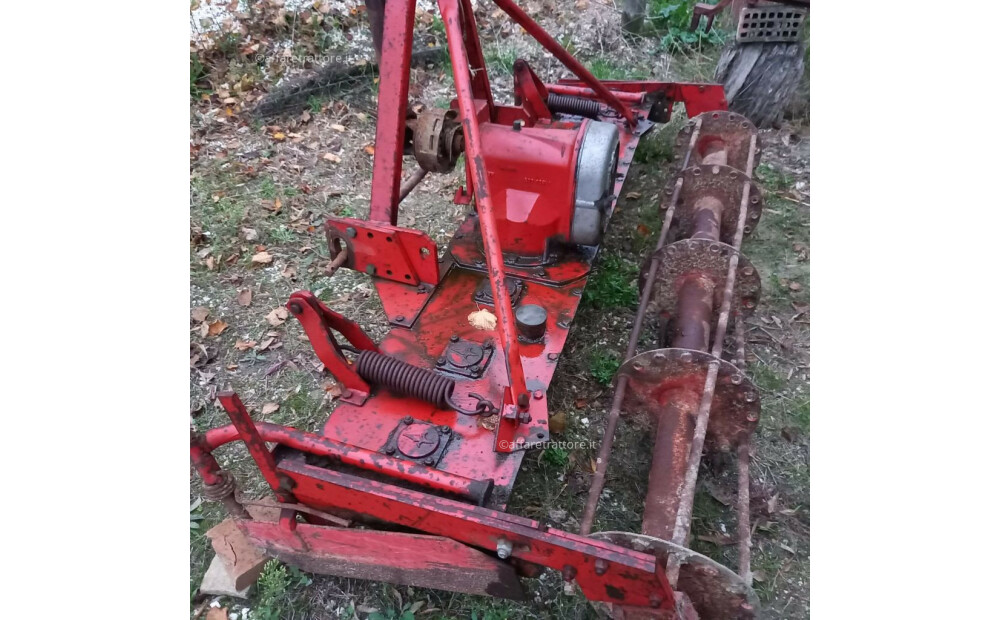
484	205
674	430
393	91
588	93
694	313
707	218
368	460
546	40
604	455
255	444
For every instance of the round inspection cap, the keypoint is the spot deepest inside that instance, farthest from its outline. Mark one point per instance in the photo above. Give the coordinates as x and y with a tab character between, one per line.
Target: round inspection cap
531	321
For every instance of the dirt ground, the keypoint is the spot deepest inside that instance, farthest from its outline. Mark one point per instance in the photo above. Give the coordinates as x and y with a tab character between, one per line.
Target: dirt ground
259	190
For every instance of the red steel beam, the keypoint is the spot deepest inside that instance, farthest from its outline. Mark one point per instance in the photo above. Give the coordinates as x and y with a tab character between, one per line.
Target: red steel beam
484	205
407	471
604	572
393	91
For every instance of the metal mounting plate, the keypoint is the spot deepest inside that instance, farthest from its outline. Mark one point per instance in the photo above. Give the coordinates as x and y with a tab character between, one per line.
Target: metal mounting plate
655	376
384	251
733	129
711	258
726	184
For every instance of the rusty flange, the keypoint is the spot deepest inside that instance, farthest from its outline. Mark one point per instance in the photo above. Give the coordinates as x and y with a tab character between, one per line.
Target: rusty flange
733	129
437	139
701	256
661	374
717	592
724	183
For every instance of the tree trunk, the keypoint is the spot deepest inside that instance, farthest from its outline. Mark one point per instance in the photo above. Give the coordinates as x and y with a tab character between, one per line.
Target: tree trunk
760	78
633	15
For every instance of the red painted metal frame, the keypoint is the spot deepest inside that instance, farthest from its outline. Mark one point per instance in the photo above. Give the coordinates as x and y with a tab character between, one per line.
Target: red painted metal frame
481	461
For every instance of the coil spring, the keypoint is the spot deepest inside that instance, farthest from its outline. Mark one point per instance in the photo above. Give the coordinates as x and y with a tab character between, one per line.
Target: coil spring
405	379
568	104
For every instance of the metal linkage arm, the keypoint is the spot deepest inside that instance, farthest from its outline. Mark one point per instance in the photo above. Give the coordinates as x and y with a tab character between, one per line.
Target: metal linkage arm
518	397
319	323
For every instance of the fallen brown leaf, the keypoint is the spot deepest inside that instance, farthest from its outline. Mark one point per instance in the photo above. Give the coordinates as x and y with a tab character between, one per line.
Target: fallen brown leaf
580	403
261	258
483	319
243	345
331	157
557	422
265	344
289	272
199	314
370	149
269	408
332	390
203	329
340	128
278	136
244	297
249	234
217	328
277	316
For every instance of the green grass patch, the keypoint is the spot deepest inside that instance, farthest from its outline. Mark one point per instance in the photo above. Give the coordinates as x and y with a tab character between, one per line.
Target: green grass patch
613	284
603	366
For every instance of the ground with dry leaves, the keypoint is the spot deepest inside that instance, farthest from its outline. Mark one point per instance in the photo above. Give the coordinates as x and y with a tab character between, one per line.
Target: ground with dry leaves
260	188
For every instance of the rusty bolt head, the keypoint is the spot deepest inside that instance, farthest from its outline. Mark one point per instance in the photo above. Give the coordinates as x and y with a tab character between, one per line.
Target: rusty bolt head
441	361
655	600
538	394
408	420
522	400
400	318
351	232
454	338
444	430
600	566
553	356
370	270
568	572
428	461
518	124
525	417
295	307
735	379
750	397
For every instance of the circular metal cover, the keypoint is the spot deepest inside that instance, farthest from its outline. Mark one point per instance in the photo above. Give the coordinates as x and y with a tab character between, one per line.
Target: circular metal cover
711	258
733	129
717	592
724	183
418	440
661	374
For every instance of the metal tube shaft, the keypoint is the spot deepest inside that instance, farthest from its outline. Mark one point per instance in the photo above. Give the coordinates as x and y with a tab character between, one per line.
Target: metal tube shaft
604	455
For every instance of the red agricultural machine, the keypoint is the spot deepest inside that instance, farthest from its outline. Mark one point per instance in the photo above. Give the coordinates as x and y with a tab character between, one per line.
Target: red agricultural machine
408	480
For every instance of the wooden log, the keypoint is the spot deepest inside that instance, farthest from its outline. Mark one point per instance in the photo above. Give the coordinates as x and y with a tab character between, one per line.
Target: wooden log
760	79
396	557
633	15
